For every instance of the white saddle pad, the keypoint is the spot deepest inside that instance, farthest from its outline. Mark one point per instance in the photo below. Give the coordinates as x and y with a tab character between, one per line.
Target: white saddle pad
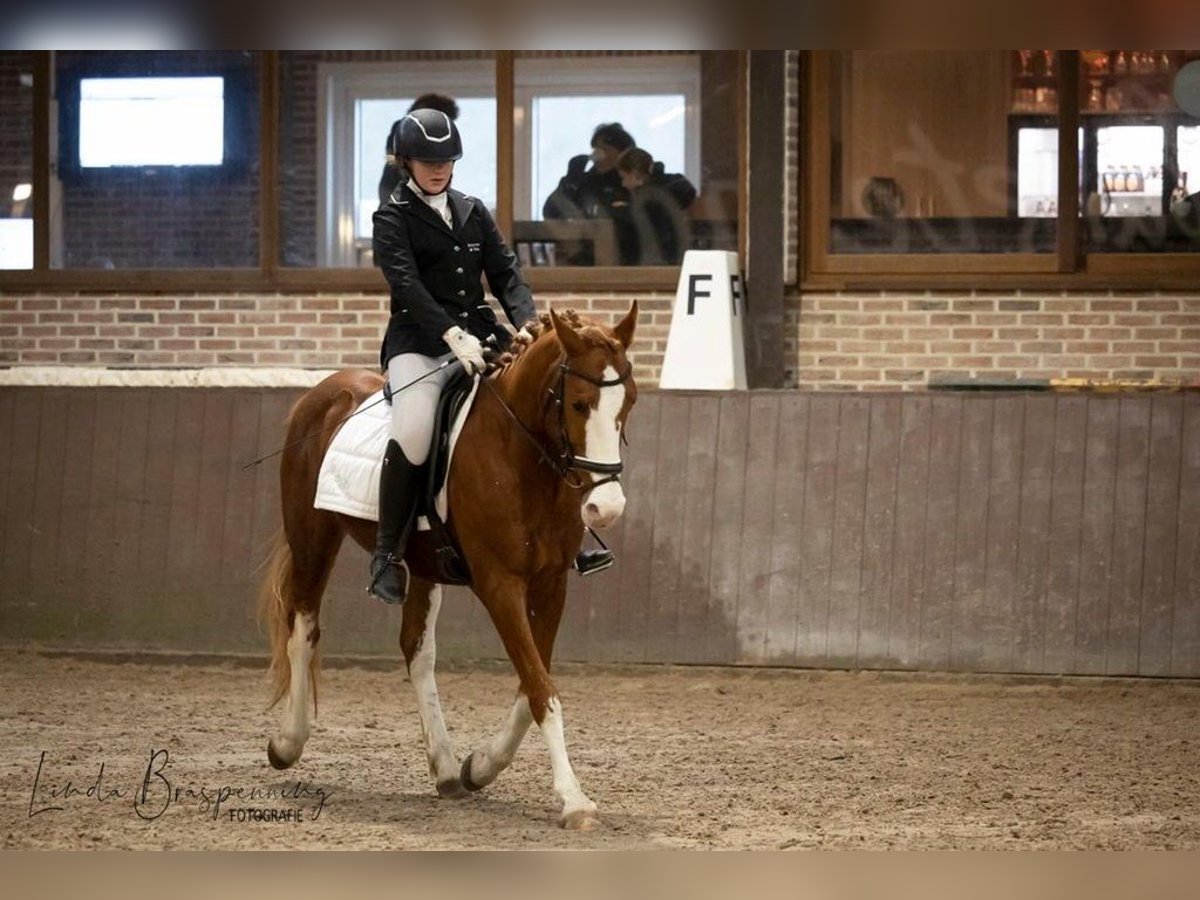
349	479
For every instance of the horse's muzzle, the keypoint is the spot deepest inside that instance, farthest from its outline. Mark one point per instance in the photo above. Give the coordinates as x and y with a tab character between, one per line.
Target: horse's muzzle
604	505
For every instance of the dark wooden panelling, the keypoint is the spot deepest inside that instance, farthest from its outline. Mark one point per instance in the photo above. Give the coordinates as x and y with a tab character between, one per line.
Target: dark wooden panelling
787	526
1095	546
758	512
941	517
667	529
968	614
845	563
693	610
18	511
816	532
1162	536
635	562
136	616
1066	511
1129	538
1034	533
728	497
997	617
908	565
45	525
879	532
1185	633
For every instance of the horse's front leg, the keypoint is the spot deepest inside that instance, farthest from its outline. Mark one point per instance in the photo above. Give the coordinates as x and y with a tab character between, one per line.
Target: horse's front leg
418	643
527	623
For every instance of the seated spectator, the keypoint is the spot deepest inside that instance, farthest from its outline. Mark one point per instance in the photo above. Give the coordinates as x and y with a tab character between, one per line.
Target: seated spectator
652	228
589	193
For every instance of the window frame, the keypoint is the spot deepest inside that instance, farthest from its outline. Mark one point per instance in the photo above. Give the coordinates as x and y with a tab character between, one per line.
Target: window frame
1068	267
270	276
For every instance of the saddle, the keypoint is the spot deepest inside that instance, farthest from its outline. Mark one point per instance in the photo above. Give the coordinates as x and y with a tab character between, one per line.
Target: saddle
452	566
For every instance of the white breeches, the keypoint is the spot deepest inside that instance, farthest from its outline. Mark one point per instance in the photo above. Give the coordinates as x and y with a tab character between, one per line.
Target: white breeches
414	408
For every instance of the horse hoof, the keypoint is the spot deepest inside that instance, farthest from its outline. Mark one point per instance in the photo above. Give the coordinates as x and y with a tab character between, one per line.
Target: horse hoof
451	789
465	775
581	820
277	761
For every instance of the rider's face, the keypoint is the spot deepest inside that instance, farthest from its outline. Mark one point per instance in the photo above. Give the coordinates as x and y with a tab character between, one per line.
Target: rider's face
431	177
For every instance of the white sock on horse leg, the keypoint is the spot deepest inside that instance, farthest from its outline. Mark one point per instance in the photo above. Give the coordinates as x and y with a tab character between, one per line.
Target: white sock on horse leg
295	730
566	785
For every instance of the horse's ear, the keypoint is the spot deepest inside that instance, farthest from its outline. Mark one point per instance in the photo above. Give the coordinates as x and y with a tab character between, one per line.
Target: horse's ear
571	343
624	329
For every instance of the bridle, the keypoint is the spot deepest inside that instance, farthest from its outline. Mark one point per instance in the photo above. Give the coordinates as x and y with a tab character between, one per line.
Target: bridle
568	462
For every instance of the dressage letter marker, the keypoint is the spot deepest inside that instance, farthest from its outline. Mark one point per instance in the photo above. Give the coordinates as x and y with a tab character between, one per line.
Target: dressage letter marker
704	347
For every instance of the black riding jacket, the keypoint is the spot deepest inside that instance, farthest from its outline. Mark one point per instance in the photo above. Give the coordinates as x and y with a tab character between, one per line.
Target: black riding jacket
434	272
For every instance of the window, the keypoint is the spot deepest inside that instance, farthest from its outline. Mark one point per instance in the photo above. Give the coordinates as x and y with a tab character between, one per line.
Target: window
141	199
936	152
16	161
359	101
572	204
948	163
158	161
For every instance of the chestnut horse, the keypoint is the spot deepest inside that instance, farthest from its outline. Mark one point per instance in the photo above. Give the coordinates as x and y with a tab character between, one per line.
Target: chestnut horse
562	400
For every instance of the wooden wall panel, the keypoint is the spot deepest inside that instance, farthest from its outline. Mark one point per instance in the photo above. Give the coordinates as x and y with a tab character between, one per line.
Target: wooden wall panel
1030	533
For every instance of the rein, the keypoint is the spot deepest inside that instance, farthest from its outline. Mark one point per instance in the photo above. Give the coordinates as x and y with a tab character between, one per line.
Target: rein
569	462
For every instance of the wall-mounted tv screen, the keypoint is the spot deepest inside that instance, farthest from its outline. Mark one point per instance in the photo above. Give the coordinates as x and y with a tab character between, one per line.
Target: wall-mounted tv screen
161	121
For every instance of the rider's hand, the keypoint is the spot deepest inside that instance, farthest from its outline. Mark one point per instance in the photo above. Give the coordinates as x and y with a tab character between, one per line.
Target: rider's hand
467	348
523	338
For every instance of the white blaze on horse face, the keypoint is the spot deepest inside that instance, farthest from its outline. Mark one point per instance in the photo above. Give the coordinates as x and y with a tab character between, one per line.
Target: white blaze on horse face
602	444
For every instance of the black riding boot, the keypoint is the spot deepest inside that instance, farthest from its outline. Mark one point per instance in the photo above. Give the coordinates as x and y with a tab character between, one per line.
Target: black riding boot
399	484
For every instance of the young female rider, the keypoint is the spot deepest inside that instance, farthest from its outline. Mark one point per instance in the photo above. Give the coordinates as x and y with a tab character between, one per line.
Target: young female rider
433	244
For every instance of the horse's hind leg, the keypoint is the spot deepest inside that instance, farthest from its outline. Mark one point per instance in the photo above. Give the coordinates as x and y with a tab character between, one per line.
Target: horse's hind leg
297	585
418	643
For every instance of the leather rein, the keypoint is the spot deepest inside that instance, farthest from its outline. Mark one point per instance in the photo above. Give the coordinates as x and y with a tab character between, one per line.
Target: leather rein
568	461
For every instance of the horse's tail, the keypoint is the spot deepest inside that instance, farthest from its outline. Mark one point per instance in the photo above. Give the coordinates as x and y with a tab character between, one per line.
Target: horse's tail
275	611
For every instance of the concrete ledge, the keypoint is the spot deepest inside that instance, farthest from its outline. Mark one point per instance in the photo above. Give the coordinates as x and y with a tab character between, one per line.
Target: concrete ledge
97	376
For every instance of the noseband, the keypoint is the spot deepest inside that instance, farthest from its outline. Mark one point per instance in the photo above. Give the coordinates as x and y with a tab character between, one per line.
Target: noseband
569	460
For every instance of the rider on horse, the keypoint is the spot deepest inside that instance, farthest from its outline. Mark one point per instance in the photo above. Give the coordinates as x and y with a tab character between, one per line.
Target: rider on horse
433	244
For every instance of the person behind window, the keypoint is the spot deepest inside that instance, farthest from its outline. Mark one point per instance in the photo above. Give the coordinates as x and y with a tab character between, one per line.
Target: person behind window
391	168
651	226
433	244
589	193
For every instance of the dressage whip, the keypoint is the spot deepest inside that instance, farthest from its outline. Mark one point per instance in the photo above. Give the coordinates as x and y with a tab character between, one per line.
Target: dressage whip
313	434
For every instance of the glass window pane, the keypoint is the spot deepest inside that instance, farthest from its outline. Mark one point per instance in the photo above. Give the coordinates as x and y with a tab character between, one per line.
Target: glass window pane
944	152
1139	154
16	161
158	161
337	111
659	177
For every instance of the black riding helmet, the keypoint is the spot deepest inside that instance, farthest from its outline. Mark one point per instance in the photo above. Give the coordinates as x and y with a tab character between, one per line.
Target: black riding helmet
428	135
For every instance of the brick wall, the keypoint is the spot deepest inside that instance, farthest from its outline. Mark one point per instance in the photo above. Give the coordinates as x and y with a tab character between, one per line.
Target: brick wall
833	341
893	341
196	330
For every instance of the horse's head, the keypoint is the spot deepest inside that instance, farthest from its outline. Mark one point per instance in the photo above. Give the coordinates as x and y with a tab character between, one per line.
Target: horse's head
594	391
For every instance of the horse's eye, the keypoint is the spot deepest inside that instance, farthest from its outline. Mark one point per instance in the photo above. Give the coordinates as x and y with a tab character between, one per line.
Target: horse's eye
579	406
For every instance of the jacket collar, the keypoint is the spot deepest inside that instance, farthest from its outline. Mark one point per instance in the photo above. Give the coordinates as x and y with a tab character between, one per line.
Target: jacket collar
460	207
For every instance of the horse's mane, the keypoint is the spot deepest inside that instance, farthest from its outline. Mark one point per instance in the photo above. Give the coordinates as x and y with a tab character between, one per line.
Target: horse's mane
592	333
